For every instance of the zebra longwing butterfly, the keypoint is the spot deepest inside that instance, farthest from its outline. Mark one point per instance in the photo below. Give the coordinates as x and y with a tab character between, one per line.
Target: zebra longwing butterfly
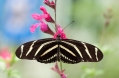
66	50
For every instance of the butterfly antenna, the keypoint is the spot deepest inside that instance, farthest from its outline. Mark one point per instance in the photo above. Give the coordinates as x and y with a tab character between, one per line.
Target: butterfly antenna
68	25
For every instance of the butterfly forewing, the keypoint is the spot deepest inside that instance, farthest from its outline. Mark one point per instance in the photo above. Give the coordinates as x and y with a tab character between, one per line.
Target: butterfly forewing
86	52
30	49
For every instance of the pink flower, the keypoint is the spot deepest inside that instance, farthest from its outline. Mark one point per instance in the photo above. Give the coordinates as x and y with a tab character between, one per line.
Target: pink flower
47	16
43	9
6	56
60	32
43	27
37	16
50	4
33	27
60	72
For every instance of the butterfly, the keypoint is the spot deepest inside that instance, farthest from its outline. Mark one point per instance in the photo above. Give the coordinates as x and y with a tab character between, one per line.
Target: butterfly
50	50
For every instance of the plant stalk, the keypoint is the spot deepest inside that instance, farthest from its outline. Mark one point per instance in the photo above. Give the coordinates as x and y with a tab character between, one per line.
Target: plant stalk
55	15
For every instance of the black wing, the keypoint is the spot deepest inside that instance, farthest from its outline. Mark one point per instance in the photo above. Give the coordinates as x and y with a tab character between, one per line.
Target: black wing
83	51
43	50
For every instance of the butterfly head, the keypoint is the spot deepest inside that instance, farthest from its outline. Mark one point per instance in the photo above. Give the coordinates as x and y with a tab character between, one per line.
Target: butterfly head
58	36
60	33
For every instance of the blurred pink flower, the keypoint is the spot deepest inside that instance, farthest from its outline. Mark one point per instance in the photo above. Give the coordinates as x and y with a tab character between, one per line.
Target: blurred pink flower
60	32
6	56
60	72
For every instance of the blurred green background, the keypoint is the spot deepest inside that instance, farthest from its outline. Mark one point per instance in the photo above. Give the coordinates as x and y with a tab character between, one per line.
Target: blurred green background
96	22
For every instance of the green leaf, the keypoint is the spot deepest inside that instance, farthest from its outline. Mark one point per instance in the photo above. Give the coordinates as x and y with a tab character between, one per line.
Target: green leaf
13	73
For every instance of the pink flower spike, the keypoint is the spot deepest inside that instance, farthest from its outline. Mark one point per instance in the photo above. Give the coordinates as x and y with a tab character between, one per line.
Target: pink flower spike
60	32
33	27
60	72
45	28
37	16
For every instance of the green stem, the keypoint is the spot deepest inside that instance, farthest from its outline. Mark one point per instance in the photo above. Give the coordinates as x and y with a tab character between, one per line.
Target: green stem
61	65
55	15
102	36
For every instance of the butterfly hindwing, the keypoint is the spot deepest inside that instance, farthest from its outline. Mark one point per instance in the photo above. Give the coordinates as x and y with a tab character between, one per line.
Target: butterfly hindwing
48	53
68	53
